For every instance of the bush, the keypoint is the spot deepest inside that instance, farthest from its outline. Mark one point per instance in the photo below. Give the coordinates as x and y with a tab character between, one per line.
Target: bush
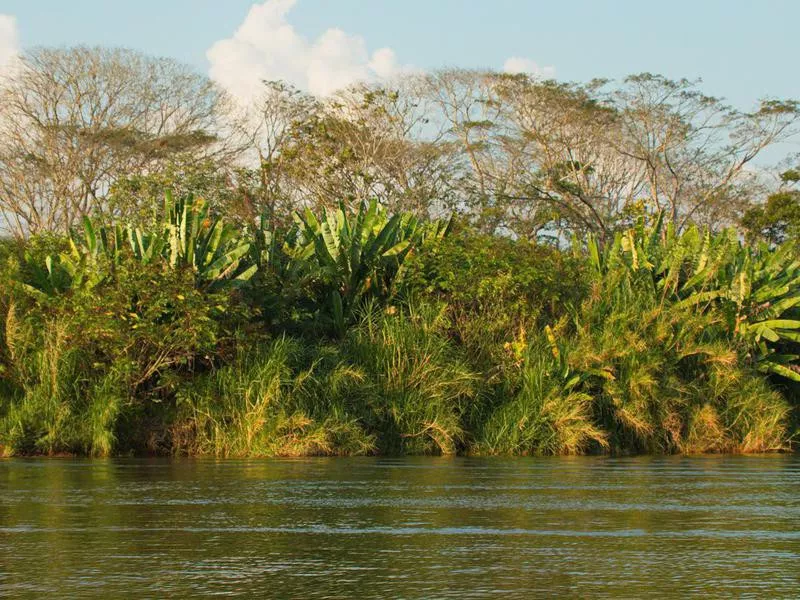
74	364
495	288
199	337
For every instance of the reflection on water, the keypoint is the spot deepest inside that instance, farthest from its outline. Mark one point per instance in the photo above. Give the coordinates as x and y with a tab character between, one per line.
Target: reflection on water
411	528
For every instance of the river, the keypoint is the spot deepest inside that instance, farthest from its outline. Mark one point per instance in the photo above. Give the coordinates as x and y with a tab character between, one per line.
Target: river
401	527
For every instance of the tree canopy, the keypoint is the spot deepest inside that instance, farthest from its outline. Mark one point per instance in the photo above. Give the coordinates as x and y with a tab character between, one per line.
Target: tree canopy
96	130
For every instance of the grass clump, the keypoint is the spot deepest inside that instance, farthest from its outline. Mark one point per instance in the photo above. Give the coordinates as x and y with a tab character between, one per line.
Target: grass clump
417	384
258	406
547	412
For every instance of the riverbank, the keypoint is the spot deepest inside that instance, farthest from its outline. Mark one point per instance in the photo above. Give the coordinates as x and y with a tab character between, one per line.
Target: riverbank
359	332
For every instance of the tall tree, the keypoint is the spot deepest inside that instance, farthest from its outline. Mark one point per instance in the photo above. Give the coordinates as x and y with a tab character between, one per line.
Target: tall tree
365	142
694	148
73	120
567	140
538	157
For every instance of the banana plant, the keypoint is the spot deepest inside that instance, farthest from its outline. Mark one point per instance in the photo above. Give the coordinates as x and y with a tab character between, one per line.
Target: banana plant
188	236
357	255
213	249
47	280
756	289
77	268
762	301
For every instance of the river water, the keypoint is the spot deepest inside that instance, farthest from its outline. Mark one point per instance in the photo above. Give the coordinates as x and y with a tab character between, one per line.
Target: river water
401	528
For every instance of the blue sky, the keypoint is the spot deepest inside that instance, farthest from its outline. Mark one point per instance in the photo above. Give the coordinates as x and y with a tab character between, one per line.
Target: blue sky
743	50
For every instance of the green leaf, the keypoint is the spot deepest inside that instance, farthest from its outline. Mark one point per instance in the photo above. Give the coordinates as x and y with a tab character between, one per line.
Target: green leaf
767	366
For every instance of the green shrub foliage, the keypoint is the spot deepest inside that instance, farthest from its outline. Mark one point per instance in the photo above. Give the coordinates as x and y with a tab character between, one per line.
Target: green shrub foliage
357	331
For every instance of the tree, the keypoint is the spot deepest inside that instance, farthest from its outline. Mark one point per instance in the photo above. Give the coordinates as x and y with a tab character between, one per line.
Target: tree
266	127
542	157
778	219
694	148
371	142
138	198
366	142
567	140
463	110
73	120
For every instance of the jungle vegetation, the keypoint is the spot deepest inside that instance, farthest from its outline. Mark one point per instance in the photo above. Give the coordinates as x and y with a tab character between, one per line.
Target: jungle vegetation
460	262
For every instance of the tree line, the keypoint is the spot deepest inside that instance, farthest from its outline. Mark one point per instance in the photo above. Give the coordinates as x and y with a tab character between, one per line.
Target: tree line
102	131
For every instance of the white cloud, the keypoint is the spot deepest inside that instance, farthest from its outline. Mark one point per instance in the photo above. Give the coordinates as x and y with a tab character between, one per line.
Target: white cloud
517	64
266	46
9	39
384	63
336	60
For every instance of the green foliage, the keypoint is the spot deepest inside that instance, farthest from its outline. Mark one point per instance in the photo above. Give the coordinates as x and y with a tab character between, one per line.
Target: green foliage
418	383
212	248
777	221
474	272
135	199
674	332
54	403
94	333
187	237
546	413
255	407
74	363
349	257
494	288
193	336
650	368
395	384
755	290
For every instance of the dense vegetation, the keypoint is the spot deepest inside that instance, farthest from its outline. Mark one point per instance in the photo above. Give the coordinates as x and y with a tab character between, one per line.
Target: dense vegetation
458	262
356	332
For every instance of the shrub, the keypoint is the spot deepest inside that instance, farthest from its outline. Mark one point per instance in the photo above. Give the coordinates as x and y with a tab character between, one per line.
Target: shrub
495	288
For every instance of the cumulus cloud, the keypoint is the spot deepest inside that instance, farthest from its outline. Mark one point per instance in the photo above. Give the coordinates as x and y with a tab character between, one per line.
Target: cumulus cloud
518	64
266	46
9	39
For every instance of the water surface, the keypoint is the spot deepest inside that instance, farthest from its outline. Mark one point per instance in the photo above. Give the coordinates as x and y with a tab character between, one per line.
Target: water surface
401	528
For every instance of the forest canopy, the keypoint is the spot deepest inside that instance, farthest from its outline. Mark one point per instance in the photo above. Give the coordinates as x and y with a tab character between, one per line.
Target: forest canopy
90	130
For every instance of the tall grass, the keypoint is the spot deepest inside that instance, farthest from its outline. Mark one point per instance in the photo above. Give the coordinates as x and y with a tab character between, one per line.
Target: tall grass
255	407
419	384
548	413
53	405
